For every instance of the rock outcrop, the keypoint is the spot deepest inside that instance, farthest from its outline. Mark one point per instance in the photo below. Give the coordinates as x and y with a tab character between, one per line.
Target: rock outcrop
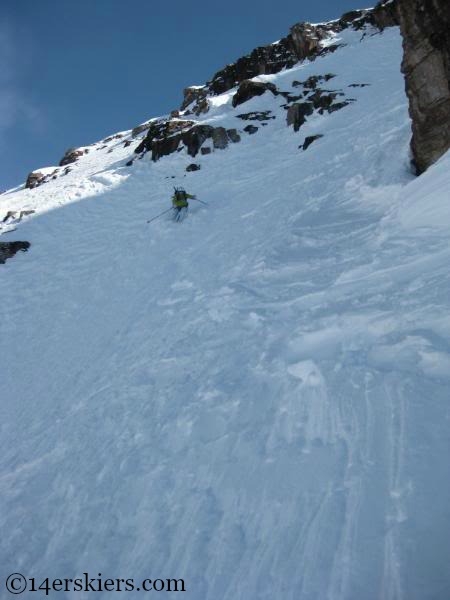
37	178
249	89
168	136
310	140
316	99
425	26
34	179
195	99
15	215
9	249
72	155
303	42
141	128
383	15
297	113
193	167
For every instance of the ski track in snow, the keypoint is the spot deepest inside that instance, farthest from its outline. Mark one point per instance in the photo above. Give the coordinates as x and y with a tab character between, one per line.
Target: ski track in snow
255	400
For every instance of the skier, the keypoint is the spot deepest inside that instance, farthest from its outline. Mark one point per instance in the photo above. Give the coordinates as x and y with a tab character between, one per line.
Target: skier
180	203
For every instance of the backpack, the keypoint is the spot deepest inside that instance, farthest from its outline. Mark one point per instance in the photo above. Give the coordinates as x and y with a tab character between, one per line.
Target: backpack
180	195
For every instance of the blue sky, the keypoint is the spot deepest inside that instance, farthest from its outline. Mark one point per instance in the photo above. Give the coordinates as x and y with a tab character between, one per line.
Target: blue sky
74	71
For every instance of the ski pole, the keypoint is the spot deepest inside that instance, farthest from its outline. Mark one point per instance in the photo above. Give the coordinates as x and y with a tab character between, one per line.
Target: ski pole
160	215
205	203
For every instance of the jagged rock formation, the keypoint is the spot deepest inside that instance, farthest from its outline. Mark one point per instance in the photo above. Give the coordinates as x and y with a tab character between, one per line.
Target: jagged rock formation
425	26
302	42
165	136
195	96
383	15
9	249
316	99
168	136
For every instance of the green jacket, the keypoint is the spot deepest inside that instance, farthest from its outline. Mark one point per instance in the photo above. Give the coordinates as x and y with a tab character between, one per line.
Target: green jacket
182	200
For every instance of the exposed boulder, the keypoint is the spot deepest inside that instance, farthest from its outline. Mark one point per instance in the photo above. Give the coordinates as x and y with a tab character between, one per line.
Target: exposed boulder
249	89
220	138
34	179
233	136
309	140
165	146
9	249
305	39
168	136
72	155
193	167
251	129
339	105
297	113
322	100
425	26
194	138
161	130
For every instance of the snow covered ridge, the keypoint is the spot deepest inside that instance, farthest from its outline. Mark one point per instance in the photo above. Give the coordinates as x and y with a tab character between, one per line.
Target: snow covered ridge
305	41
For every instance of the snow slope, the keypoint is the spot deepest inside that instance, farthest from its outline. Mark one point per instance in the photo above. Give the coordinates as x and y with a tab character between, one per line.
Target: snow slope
256	400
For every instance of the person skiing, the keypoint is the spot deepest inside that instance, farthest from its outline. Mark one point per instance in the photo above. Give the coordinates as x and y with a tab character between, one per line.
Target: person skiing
180	202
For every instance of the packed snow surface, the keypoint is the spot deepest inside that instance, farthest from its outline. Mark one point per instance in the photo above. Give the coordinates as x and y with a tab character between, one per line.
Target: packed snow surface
255	400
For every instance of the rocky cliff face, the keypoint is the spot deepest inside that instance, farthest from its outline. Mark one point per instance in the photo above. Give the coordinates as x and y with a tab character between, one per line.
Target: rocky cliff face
425	26
303	42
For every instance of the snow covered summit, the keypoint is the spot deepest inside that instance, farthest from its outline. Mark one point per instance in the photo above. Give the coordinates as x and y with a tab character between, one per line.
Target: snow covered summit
254	400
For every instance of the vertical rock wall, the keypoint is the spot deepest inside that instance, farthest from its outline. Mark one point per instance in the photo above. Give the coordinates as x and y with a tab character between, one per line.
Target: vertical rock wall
425	26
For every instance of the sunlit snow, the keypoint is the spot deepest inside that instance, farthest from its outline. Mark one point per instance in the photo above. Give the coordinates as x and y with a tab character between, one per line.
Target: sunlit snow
257	399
